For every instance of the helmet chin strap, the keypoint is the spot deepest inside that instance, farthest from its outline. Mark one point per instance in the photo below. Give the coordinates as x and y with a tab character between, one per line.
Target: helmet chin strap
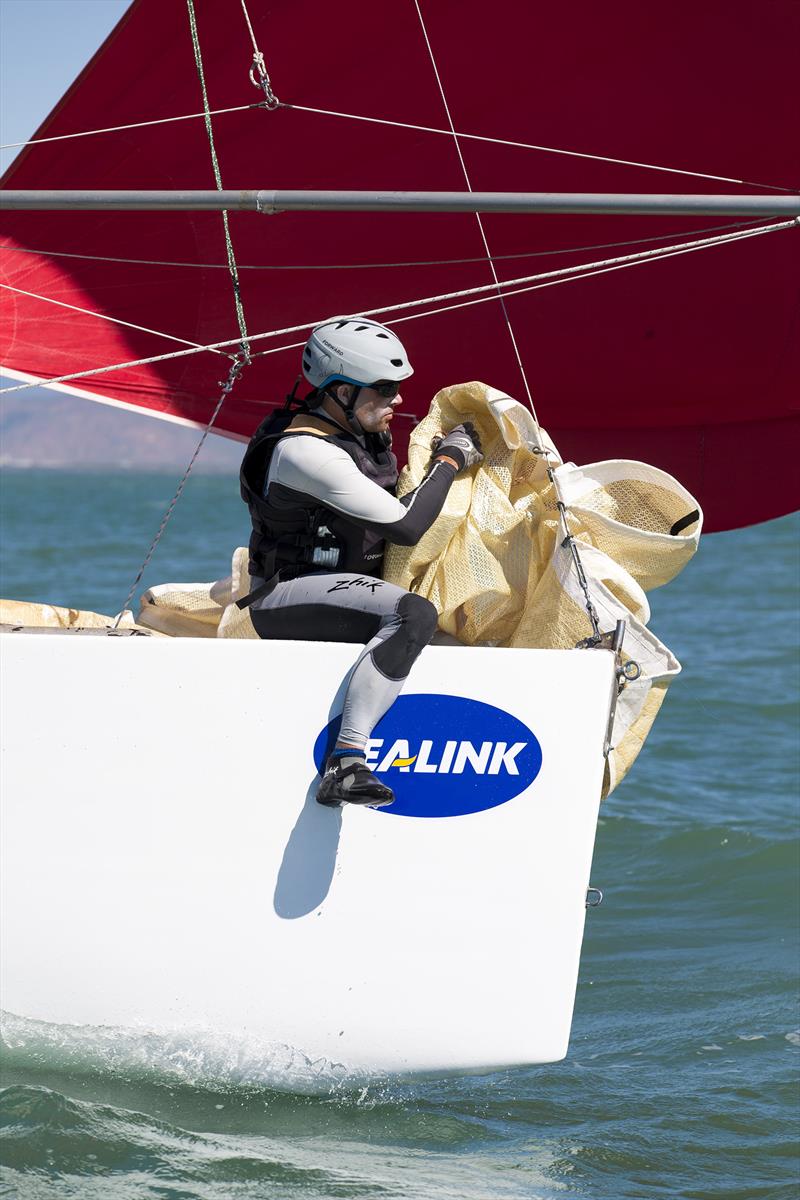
349	410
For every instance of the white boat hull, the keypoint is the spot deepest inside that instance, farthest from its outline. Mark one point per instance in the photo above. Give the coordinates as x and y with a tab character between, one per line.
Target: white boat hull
165	866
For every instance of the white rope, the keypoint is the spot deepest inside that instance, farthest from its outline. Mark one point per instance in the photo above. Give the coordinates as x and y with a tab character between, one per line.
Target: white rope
373	266
250	28
579	271
484	239
63	137
495	141
233	269
238	363
562	509
105	317
475	137
259	67
576	273
240	360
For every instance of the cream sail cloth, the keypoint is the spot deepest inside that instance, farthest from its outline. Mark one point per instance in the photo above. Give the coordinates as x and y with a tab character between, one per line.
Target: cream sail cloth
493	563
494	566
28	614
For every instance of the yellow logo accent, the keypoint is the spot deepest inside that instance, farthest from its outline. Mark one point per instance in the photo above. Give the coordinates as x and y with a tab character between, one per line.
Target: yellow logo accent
404	762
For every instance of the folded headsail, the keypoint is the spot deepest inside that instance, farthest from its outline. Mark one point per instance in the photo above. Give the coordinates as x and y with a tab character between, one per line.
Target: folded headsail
496	566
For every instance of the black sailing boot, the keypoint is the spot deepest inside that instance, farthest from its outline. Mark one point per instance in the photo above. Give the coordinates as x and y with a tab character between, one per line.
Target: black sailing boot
348	780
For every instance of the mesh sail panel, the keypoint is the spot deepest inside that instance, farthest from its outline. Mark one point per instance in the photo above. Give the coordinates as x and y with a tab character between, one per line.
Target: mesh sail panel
185	609
26	614
494	565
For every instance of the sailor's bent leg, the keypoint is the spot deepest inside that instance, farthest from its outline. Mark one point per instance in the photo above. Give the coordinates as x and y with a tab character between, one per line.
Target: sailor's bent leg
395	625
323	608
383	666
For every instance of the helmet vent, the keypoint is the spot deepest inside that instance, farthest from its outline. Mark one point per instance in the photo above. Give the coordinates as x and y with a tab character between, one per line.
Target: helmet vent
397	362
382	335
341	324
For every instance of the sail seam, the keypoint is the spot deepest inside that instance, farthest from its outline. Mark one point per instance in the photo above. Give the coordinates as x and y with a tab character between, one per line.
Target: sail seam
533	283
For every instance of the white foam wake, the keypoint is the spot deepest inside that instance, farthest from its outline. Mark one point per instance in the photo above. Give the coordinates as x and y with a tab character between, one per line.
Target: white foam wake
192	1057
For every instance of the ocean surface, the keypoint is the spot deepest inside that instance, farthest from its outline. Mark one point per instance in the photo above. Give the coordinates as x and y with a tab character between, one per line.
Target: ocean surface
682	1078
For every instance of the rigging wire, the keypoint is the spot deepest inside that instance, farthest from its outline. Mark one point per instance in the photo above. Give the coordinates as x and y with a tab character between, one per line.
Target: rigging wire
569	540
475	137
495	141
372	266
545	279
65	137
237	296
617	265
241	359
478	218
105	317
259	67
237	366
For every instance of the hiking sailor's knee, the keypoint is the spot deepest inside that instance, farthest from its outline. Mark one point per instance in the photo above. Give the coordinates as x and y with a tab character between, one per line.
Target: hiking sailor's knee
420	617
416	621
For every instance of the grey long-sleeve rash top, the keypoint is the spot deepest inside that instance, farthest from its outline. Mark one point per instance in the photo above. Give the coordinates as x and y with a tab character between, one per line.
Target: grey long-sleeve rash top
312	467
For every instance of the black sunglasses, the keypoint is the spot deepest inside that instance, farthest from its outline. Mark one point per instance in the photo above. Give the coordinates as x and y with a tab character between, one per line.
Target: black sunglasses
387	390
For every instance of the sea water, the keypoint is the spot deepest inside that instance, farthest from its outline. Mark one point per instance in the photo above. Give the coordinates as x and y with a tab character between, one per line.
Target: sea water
681	1079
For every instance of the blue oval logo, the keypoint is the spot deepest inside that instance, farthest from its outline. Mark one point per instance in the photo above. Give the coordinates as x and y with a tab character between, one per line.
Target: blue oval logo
446	756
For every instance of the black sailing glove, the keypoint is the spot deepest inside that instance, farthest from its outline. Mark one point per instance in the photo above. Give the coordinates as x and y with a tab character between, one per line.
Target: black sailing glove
462	444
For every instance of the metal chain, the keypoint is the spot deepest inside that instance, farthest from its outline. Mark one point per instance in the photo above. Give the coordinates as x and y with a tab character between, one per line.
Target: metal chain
237	294
237	366
263	81
569	541
259	67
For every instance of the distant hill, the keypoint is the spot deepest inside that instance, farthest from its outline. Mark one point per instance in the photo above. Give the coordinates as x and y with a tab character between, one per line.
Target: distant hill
44	428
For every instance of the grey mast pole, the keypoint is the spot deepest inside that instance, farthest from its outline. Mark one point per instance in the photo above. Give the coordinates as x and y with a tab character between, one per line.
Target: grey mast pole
272	202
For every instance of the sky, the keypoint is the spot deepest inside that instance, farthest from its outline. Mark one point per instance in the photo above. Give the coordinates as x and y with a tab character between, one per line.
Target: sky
44	44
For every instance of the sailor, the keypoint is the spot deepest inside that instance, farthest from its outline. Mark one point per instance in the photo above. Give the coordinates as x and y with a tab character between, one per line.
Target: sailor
319	481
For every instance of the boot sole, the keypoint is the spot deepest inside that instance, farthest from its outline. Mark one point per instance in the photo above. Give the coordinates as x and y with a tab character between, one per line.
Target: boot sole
365	803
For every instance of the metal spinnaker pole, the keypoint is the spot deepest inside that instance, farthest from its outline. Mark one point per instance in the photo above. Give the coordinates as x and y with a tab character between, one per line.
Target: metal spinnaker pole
273	202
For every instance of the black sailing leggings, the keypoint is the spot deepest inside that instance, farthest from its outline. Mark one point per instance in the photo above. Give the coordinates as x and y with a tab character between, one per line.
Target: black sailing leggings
393	624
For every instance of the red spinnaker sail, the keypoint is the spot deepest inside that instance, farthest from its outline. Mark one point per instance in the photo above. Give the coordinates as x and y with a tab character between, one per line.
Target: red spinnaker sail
690	364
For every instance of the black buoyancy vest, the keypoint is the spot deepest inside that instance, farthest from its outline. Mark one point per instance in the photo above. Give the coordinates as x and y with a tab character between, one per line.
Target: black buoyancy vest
297	534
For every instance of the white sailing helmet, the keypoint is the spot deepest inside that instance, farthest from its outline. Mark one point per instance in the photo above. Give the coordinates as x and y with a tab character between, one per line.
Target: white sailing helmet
354	350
